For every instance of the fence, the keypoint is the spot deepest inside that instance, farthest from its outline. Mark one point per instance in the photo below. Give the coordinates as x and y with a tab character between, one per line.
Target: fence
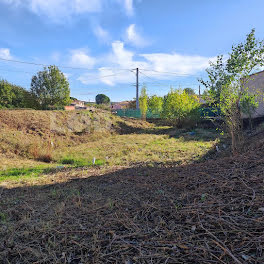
135	113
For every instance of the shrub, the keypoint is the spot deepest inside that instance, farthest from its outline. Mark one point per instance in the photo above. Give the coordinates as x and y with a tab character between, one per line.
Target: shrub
181	108
155	104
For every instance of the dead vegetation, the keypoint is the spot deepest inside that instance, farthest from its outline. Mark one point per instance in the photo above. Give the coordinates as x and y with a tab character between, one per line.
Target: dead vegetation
31	134
211	212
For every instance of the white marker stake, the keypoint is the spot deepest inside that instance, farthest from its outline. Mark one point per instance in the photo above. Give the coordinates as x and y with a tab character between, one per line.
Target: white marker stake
94	161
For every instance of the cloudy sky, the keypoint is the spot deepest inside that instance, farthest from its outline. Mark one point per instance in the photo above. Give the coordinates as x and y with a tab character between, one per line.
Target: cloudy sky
99	43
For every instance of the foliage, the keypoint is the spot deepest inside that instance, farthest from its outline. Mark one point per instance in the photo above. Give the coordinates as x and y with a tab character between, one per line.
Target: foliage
155	104
189	91
143	102
106	107
14	96
249	105
217	79
180	107
51	88
227	85
102	99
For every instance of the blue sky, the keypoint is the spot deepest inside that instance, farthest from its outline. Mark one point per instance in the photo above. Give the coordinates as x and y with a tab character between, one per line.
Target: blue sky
170	41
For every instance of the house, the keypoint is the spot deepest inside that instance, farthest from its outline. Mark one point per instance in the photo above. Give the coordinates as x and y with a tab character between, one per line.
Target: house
76	105
255	85
120	105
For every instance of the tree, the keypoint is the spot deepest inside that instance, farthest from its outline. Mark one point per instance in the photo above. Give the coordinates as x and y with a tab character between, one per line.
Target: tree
217	79
228	81
102	99
50	88
189	91
180	107
6	94
249	105
143	102
155	104
14	96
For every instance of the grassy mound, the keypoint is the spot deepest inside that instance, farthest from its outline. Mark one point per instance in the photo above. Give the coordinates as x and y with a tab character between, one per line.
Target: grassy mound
36	135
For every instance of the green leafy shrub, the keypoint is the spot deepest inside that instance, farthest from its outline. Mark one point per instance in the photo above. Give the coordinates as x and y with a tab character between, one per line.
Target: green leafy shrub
155	104
181	108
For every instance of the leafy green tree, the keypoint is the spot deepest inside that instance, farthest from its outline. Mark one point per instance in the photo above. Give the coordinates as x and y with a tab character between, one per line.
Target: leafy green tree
143	102
102	99
189	91
217	78
180	108
228	83
50	88
155	104
249	104
14	96
6	94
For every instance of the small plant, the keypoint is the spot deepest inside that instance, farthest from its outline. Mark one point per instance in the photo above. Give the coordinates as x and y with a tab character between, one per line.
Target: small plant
3	217
80	162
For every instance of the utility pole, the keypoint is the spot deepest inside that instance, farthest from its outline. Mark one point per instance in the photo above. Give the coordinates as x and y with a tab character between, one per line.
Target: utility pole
137	98
199	90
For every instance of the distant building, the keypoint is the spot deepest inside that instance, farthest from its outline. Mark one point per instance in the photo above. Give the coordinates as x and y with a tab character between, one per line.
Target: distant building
255	85
120	105
76	105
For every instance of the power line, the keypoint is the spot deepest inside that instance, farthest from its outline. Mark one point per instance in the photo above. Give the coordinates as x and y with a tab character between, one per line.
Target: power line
46	65
150	77
173	73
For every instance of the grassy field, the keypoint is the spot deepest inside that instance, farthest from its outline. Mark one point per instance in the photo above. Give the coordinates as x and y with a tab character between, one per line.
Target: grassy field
153	212
136	194
155	145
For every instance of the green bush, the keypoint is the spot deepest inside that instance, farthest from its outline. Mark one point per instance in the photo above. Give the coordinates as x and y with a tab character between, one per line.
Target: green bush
14	96
181	108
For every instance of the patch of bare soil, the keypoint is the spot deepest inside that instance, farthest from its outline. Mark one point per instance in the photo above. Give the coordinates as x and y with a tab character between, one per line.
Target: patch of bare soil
211	212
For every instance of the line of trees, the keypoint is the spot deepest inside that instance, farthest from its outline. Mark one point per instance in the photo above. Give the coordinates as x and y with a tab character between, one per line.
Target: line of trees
49	90
180	107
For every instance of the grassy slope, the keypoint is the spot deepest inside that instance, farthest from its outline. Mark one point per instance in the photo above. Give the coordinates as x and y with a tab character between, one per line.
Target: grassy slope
78	137
26	136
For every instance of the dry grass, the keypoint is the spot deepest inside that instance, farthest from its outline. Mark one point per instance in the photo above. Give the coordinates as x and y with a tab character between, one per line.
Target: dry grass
156	206
140	148
202	213
30	134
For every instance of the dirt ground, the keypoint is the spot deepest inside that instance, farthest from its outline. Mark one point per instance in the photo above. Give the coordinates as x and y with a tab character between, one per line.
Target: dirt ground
209	212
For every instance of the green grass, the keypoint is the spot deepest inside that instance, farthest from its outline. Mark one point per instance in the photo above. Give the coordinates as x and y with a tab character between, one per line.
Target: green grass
81	162
16	174
178	147
67	162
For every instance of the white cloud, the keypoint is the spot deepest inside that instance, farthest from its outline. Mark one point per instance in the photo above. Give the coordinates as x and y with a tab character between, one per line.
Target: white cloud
129	7
80	58
134	37
119	63
58	10
101	33
5	54
177	63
